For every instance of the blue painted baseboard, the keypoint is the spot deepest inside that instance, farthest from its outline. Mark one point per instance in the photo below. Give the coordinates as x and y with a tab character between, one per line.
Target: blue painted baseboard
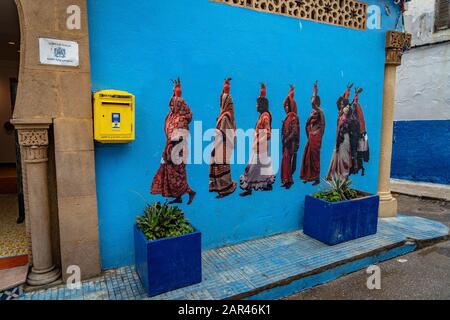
421	151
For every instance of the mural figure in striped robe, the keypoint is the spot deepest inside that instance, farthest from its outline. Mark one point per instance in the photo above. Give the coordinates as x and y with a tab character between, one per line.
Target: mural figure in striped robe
259	174
315	128
220	179
171	178
290	140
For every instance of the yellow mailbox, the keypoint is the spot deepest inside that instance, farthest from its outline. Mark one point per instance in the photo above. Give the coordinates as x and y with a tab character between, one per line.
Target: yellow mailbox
113	116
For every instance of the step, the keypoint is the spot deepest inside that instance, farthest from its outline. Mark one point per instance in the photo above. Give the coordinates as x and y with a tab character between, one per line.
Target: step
269	268
13	277
12	262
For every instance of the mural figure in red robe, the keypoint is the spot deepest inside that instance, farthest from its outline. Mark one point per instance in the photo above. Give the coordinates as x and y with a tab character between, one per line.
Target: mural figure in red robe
258	174
315	128
171	180
290	140
220	180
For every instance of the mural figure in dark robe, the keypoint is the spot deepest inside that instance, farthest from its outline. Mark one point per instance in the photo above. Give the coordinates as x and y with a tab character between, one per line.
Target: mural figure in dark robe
354	132
171	179
258	174
363	154
315	128
290	135
341	161
220	179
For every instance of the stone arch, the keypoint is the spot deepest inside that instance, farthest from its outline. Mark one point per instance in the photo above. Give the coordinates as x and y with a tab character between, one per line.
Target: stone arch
53	116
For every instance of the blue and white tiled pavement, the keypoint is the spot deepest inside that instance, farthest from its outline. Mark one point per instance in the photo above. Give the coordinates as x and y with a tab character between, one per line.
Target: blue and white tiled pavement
267	268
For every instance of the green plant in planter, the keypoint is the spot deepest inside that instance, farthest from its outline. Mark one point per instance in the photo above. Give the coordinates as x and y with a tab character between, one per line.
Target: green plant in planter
163	221
338	189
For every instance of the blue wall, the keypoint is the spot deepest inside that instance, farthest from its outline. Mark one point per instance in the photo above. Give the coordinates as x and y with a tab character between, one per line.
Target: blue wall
421	151
138	46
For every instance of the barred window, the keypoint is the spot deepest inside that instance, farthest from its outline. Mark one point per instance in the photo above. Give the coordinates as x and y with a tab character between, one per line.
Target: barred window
442	19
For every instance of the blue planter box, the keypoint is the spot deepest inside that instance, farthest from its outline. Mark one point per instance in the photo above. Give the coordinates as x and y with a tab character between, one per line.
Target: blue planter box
168	264
337	222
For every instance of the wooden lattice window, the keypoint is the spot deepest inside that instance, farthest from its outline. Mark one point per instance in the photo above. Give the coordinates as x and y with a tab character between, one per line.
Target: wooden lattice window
345	13
442	19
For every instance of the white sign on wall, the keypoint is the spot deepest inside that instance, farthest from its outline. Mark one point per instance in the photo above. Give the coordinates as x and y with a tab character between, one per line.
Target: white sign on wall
58	52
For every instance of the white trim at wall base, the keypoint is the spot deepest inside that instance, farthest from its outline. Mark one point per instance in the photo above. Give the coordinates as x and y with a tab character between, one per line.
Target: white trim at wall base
421	189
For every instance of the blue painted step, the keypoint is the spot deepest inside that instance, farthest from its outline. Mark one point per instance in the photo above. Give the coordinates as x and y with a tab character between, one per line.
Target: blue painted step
268	268
277	266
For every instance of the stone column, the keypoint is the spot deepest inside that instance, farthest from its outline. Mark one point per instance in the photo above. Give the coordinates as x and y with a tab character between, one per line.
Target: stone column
33	139
396	43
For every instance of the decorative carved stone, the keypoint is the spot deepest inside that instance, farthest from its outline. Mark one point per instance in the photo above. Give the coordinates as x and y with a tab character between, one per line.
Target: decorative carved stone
344	13
33	137
35	154
396	44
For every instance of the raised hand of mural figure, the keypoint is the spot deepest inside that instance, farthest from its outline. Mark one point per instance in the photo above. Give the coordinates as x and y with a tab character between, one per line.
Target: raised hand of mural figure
171	178
315	128
258	174
316	88
220	180
290	135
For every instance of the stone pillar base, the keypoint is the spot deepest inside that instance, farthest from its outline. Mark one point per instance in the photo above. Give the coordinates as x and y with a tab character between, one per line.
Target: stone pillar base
387	208
39	278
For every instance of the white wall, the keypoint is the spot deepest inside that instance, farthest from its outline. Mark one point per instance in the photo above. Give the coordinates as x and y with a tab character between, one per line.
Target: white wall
423	84
423	79
8	69
419	21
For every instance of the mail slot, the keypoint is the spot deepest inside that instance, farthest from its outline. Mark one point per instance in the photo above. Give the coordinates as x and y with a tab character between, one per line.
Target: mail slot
113	116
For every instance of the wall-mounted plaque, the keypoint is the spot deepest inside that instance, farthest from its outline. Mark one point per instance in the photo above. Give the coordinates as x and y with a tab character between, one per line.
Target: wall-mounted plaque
58	52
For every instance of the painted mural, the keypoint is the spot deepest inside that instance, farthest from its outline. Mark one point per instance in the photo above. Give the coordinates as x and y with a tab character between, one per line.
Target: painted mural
171	178
258	174
350	152
290	135
315	129
220	179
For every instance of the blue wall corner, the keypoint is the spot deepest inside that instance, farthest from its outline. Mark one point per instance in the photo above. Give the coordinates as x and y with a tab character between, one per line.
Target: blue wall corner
421	151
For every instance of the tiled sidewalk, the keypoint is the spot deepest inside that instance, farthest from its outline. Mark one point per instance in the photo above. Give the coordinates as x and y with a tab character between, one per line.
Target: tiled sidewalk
245	268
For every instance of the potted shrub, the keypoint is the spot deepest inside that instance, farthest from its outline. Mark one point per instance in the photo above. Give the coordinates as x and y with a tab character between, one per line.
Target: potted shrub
339	213
167	249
